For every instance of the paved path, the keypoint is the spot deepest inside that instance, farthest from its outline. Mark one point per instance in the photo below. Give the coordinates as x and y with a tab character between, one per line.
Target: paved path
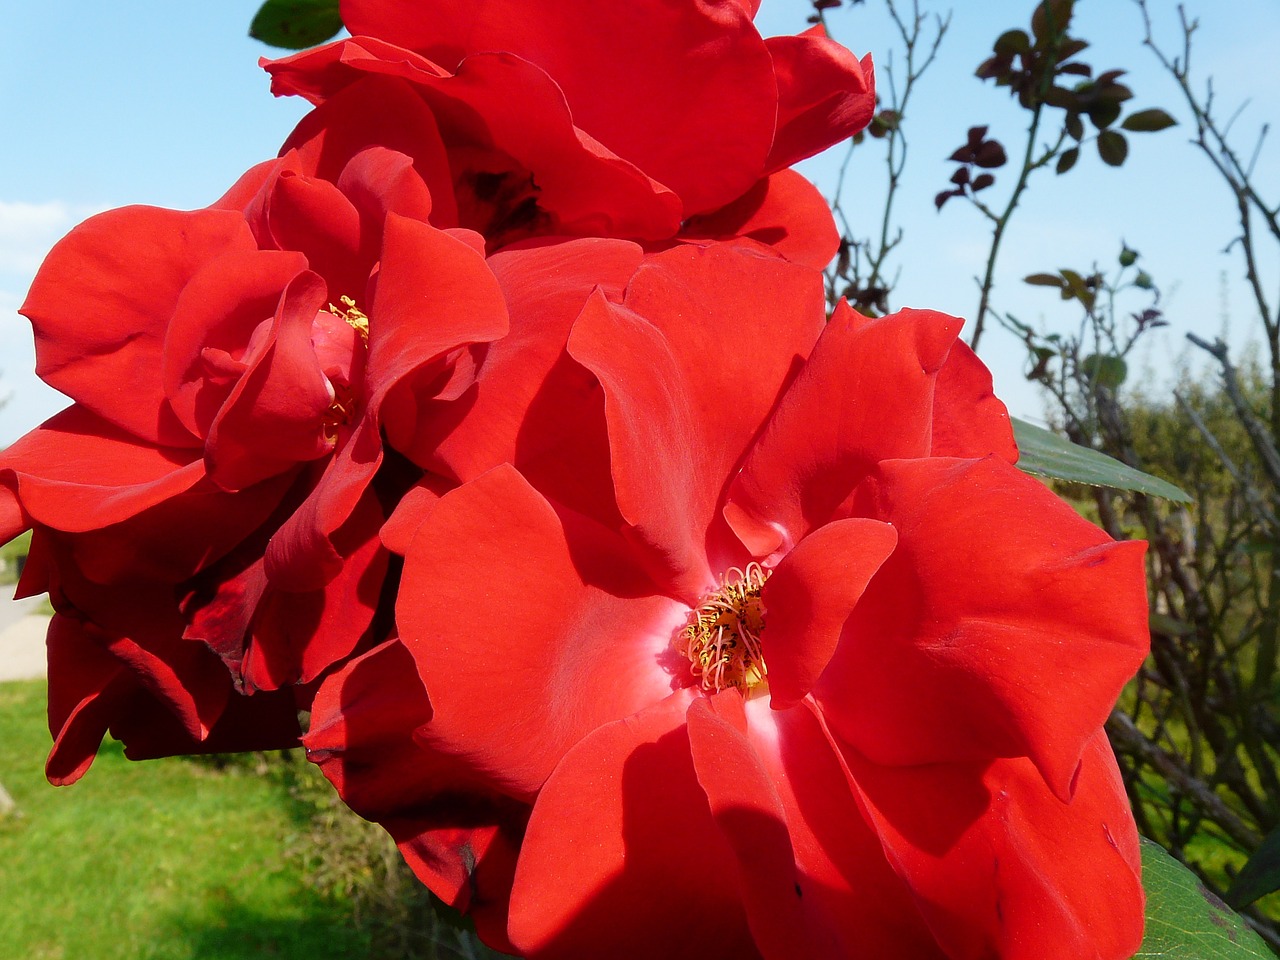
22	630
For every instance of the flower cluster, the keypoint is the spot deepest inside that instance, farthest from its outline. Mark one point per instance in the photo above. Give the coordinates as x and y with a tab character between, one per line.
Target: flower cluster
498	430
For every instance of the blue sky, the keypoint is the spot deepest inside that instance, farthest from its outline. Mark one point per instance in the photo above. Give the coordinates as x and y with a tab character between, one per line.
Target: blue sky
148	101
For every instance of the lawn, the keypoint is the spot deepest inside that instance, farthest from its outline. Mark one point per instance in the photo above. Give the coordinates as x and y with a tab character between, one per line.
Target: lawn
163	860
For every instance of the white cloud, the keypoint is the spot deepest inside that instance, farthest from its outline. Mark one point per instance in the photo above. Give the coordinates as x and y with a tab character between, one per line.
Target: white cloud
28	230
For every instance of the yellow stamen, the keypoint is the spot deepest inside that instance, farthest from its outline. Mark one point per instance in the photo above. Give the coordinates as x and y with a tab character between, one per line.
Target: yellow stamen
722	639
353	316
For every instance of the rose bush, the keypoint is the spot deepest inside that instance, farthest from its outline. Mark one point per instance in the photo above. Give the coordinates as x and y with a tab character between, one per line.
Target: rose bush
499	424
774	640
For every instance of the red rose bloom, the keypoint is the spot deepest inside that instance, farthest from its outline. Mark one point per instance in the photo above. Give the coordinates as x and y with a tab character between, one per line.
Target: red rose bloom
571	118
222	469
816	673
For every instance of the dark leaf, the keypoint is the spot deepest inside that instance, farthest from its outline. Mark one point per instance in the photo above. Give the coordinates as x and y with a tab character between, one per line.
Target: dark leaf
1062	98
1068	159
1075	126
1045	454
991	154
1112	147
1076	69
1044	280
1013	41
1103	113
960	177
982	181
1051	18
296	24
1148	121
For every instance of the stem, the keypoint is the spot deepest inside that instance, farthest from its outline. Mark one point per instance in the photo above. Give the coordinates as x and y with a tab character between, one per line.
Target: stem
1002	222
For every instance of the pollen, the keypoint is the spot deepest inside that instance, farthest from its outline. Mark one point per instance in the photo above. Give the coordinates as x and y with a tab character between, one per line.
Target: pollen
722	638
353	316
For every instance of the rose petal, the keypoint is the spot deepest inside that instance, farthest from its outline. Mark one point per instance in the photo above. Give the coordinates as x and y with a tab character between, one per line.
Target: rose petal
691	363
968	419
102	302
502	600
622	68
748	811
865	395
809	597
623	821
1001	867
532	405
825	95
784	212
1015	620
460	840
76	472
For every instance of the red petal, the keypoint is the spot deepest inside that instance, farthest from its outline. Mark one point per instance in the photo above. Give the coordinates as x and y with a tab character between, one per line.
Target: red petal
785	212
533	406
433	295
102	302
968	420
746	807
824	96
623	822
850	891
315	218
691	364
809	597
460	840
1001	867
386	114
76	472
84	683
298	636
214	320
580	184
623	69
865	395
503	601
1002	625
274	416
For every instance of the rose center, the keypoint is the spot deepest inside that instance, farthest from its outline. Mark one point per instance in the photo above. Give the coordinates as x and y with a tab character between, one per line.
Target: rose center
343	407
722	638
352	316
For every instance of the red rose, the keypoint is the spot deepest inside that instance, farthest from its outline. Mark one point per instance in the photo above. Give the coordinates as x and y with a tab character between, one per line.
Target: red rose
573	118
818	673
223	462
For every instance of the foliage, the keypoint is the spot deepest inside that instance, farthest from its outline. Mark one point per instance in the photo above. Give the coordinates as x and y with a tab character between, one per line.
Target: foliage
104	870
296	24
1186	920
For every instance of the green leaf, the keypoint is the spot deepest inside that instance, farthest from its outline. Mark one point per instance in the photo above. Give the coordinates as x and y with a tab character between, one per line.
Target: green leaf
1260	876
1148	121
1045	454
296	24
1104	370
1187	922
1112	148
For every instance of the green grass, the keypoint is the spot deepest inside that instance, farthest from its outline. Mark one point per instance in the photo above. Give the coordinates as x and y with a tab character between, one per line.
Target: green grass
163	860
9	553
